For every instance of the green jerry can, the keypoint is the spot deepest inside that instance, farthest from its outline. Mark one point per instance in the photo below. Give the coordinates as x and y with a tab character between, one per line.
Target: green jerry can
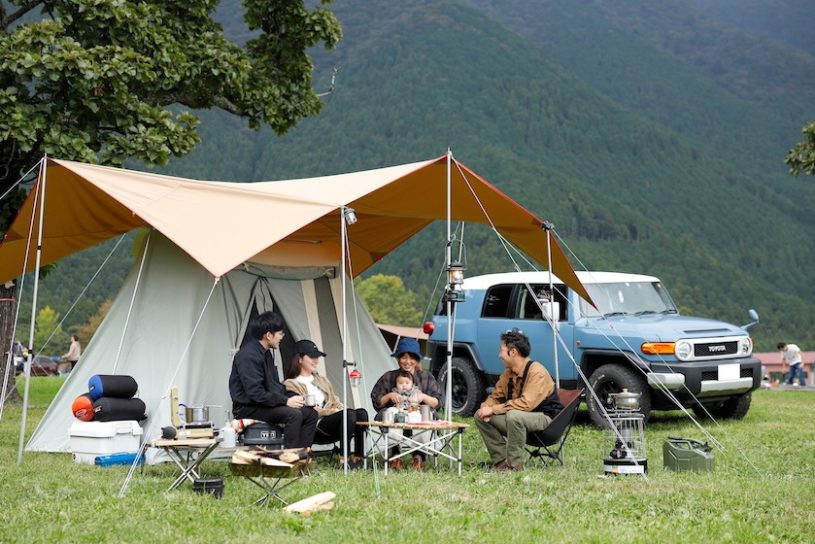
687	454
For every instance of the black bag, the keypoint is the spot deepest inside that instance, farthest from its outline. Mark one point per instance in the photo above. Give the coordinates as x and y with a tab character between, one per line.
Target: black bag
113	409
112	385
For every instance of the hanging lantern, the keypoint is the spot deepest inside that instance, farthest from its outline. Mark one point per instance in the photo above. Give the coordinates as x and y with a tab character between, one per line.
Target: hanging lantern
455	280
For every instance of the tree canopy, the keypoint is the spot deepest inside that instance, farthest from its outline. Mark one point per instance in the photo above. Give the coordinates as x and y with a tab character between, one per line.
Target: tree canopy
801	158
389	301
103	81
107	80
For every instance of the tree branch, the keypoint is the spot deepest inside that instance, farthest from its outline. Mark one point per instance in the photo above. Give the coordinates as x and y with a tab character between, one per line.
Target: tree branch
24	8
228	106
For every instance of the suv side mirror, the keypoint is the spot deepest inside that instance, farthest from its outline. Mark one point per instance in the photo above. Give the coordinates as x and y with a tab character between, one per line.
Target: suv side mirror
754	316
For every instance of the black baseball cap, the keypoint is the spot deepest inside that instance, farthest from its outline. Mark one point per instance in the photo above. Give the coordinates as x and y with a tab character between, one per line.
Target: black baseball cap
307	347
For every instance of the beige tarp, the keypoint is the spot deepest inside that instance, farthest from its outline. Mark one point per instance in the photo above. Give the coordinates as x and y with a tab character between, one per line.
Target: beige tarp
286	223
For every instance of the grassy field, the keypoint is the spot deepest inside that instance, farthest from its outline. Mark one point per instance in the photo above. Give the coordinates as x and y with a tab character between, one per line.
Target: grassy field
760	491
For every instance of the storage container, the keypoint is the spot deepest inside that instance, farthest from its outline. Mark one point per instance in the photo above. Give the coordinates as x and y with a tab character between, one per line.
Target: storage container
686	454
92	438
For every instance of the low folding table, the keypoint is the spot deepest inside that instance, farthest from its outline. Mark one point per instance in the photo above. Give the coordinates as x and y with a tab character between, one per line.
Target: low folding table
440	444
188	454
271	475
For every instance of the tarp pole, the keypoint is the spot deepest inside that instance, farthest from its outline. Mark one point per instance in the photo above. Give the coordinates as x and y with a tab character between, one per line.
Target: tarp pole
343	249
33	311
448	395
552	318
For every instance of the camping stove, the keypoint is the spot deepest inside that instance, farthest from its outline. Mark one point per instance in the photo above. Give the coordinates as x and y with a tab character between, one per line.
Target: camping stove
627	454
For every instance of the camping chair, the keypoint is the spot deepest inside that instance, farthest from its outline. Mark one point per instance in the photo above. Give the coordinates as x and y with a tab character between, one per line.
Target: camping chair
547	444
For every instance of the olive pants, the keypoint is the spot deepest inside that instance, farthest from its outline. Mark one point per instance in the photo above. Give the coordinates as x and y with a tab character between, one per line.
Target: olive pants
505	434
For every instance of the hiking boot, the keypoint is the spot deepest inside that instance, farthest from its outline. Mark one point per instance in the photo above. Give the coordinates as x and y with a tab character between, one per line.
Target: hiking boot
517	468
502	466
417	462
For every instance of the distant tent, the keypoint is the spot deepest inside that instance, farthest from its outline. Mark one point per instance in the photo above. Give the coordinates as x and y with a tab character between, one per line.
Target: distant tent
262	245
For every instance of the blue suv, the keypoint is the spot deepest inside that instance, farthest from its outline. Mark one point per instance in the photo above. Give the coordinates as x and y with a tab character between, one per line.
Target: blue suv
637	341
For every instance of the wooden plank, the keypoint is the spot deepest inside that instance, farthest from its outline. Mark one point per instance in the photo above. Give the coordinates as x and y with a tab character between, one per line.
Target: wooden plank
315	503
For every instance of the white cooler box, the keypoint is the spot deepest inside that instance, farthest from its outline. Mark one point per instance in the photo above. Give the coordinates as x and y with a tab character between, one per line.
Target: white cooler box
90	439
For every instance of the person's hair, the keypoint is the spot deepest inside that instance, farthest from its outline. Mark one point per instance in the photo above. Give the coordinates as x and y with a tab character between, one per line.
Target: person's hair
74	338
295	367
265	322
404	374
781	345
518	340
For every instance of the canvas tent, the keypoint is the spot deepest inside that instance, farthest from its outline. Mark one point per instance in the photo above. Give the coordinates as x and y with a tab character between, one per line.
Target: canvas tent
281	237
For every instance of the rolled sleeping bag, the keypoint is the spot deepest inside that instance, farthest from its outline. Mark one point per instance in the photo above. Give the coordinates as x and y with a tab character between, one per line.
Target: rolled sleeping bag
111	385
113	409
82	407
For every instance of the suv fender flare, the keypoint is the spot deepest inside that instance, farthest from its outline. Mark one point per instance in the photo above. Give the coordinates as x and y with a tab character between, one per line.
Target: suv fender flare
439	356
592	359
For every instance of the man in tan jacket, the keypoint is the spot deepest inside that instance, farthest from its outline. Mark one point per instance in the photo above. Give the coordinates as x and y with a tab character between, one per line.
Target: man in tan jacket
525	399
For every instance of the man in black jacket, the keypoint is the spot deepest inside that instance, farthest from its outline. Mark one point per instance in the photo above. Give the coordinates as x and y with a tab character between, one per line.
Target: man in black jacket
256	390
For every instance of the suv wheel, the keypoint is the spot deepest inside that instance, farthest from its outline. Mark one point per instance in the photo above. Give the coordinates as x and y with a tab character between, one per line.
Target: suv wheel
613	378
732	408
468	388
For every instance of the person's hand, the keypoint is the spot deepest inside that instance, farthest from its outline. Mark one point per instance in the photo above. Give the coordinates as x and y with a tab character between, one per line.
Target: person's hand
295	402
484	413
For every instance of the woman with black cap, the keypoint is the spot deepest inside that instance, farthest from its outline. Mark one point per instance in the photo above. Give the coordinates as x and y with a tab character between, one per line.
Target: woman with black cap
303	379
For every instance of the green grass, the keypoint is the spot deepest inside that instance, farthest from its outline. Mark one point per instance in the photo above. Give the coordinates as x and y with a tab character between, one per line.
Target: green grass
760	491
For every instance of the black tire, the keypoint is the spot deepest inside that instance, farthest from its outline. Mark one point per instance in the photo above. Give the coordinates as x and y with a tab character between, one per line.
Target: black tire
732	408
468	387
613	378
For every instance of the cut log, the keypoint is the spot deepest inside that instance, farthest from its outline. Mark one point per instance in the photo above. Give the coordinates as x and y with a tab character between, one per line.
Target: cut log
315	503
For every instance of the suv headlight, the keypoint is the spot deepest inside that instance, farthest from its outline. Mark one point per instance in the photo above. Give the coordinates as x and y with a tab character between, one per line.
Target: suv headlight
683	350
746	345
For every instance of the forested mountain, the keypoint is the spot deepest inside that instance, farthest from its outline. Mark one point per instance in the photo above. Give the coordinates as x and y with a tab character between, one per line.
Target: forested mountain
651	133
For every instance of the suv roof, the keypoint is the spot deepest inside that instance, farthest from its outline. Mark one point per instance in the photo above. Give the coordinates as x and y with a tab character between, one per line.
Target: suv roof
585	277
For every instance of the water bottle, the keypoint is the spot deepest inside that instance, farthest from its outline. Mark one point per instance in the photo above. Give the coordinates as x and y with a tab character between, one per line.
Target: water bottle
229	437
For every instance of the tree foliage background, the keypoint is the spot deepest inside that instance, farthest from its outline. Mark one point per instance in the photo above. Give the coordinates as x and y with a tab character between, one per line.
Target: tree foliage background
105	81
389	301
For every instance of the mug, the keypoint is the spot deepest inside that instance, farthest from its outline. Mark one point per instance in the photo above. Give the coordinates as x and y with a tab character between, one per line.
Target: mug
310	400
427	412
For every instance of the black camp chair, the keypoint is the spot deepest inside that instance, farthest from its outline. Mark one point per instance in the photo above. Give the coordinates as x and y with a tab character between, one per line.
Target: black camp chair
547	445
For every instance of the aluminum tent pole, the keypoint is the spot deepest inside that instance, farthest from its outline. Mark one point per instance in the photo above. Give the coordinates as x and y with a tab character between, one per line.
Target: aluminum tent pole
552	318
448	396
33	310
343	248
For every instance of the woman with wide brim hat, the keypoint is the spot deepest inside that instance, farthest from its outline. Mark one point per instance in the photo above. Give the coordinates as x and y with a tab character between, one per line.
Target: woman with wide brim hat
408	357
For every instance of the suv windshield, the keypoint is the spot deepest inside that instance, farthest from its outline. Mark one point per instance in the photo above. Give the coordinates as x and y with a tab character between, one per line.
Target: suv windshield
628	298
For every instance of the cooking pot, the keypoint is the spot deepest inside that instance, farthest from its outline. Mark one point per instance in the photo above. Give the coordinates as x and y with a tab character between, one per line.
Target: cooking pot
196	414
625	400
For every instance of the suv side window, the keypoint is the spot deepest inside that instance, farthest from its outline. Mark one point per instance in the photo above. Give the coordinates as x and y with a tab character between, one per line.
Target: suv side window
529	304
496	303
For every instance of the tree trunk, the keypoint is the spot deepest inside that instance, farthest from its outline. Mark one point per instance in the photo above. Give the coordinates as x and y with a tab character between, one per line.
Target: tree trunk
8	307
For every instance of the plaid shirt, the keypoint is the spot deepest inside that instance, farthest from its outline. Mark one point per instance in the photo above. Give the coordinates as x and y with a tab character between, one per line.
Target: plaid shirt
422	379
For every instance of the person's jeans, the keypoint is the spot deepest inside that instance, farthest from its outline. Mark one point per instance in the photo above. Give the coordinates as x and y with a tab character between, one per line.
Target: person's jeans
797	371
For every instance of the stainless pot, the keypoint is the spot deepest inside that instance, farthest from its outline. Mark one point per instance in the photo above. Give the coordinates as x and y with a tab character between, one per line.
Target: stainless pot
196	414
625	400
